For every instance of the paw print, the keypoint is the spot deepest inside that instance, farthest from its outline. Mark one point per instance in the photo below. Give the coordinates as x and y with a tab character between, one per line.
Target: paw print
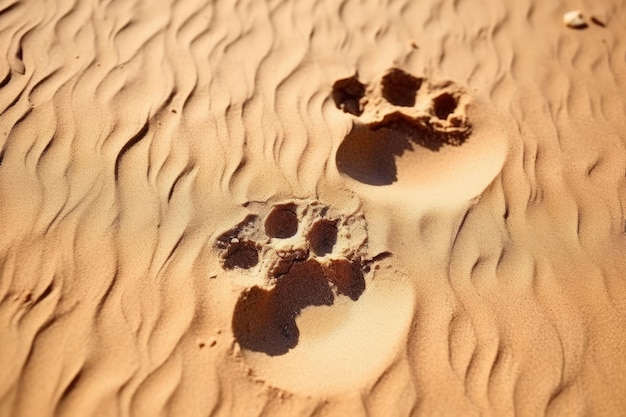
393	115
295	256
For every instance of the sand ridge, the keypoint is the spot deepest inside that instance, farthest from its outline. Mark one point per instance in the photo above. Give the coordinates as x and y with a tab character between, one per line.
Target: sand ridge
134	139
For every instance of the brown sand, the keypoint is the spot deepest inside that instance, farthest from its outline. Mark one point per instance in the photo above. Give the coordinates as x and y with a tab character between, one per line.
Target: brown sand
312	208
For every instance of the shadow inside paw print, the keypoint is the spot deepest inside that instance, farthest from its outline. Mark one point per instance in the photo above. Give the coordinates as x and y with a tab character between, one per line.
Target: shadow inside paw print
395	115
368	154
264	318
347	94
400	88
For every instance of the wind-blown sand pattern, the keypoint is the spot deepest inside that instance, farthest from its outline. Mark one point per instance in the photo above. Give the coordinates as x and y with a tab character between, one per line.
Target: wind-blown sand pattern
312	208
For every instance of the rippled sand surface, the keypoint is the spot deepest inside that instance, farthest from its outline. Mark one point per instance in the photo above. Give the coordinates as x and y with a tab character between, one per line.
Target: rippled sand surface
312	208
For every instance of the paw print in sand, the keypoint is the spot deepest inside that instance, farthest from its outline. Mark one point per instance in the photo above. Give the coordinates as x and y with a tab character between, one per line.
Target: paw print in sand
393	116
296	256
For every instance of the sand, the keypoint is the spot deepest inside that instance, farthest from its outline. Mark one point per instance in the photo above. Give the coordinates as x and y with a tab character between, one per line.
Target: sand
312	208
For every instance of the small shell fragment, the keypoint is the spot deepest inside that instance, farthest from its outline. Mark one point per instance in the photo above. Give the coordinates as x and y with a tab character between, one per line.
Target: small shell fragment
574	19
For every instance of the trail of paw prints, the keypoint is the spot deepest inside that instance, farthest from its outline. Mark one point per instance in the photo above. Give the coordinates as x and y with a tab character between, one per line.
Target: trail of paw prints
393	114
297	256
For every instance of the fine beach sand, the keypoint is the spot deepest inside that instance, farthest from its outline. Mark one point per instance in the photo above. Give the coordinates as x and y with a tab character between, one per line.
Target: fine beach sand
312	208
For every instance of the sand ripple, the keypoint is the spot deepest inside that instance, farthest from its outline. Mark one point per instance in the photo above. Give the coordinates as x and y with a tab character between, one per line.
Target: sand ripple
134	134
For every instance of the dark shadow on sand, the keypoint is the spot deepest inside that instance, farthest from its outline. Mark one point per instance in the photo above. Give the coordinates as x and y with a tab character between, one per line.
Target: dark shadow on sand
368	153
265	320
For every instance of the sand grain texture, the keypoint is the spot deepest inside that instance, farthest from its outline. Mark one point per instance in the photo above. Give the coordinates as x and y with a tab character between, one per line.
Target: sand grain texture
312	208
